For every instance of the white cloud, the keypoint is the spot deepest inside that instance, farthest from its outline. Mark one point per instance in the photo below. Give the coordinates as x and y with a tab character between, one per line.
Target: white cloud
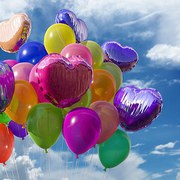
178	176
174	81
164	146
138	83
157	175
137	145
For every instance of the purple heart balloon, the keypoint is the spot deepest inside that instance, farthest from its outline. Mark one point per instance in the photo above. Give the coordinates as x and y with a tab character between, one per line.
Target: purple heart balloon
137	107
7	85
125	57
81	129
79	27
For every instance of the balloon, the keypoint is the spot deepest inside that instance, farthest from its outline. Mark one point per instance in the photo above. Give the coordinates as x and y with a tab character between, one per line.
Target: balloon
44	124
109	119
115	71
6	143
23	100
103	86
63	82
31	52
77	50
22	70
57	37
14	32
96	52
6	85
79	27
81	129
17	129
115	150
4	118
125	57
137	107
10	62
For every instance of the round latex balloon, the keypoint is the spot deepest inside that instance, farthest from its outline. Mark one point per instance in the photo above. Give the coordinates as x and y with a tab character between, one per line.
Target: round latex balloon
57	37
4	118
115	71
115	150
103	86
17	129
44	124
81	129
96	52
22	70
137	107
10	62
109	119
6	143
23	100
6	85
31	52
77	50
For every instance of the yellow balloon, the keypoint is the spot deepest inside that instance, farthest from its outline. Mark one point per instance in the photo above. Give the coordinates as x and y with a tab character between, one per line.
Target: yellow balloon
57	37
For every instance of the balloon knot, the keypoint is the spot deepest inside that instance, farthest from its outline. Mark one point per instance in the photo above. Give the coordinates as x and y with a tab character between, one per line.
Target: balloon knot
46	151
23	138
4	163
105	169
77	156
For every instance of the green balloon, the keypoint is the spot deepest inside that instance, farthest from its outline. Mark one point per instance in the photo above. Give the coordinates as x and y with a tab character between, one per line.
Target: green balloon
115	71
4	118
96	52
44	124
115	150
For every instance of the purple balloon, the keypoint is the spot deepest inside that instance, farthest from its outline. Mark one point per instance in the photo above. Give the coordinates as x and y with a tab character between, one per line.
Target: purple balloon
17	129
124	57
10	62
7	85
81	129
137	107
79	27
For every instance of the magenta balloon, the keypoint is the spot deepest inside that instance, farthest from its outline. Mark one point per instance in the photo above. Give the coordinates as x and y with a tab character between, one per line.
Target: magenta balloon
77	50
10	62
81	129
22	70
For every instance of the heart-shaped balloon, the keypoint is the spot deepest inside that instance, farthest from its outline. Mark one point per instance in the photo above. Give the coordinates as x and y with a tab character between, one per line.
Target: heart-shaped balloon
137	107
79	27
123	56
63	81
14	32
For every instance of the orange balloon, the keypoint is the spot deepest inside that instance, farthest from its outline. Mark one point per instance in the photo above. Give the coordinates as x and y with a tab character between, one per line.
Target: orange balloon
6	143
23	100
103	86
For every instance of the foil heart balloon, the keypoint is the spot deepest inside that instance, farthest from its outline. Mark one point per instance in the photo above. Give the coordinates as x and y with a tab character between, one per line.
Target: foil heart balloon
125	57
14	32
63	81
79	27
137	107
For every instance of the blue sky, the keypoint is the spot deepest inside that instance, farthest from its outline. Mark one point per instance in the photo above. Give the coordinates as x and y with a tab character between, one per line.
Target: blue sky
151	28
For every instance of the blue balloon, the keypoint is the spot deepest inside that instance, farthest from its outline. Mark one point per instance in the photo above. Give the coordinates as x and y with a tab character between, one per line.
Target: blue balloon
31	52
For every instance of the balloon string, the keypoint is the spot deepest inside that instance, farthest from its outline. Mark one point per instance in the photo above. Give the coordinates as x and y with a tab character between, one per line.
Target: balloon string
49	161
6	172
16	167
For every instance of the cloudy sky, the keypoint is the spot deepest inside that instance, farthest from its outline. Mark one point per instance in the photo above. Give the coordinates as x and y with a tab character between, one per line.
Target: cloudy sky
152	28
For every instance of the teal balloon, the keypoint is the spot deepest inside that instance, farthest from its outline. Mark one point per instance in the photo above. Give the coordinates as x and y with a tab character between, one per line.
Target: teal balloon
44	124
115	150
4	118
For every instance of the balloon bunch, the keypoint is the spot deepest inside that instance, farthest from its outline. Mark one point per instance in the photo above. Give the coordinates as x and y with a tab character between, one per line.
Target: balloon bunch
70	84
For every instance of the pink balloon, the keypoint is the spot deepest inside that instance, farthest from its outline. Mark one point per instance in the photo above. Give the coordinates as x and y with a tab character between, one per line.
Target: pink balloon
77	50
10	62
22	70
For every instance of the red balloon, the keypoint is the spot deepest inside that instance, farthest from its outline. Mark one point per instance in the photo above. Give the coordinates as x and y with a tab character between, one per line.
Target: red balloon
6	143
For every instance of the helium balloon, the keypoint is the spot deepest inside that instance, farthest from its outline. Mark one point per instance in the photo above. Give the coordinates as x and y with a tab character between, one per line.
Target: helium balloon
6	86
6	143
137	107
23	100
81	129
103	86
125	57
115	71
96	52
62	81
77	50
79	27
4	119
109	119
10	62
57	37
22	70
44	124
31	52
17	129
115	150
14	32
